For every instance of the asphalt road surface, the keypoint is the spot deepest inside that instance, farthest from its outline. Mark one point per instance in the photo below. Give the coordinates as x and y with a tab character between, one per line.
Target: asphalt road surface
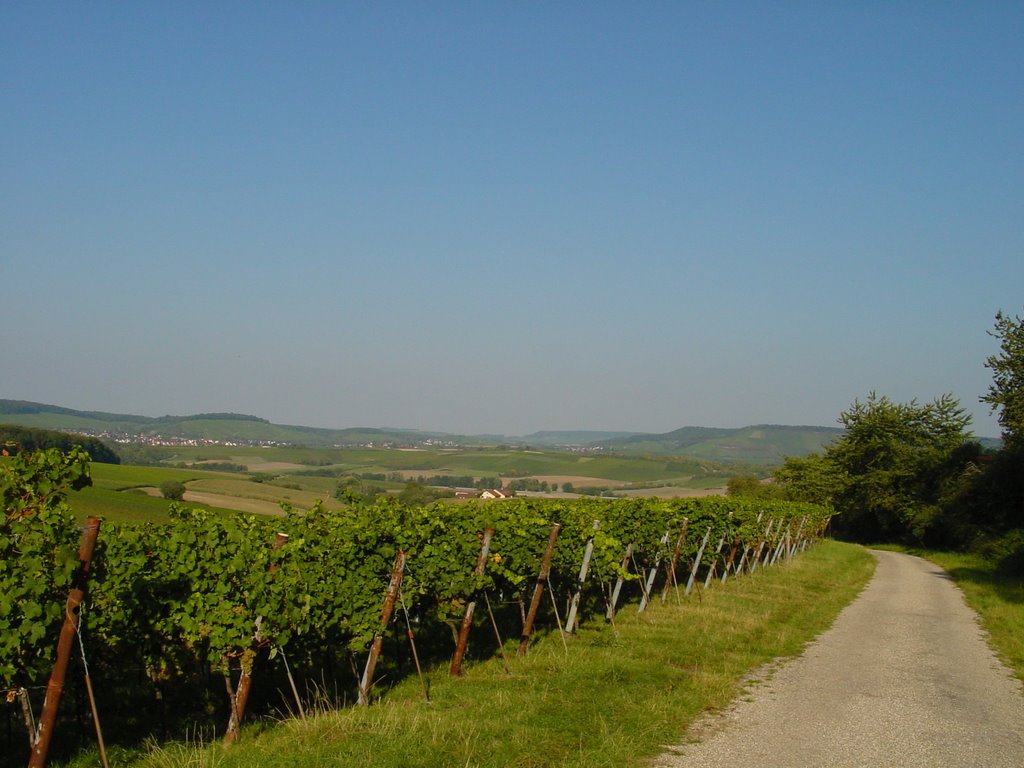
903	678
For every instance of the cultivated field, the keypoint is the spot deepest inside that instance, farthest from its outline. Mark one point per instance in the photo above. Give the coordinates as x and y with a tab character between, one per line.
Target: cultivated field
267	477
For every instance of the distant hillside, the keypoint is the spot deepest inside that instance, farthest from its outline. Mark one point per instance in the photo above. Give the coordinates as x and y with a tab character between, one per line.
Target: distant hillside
570	438
205	426
761	444
44	416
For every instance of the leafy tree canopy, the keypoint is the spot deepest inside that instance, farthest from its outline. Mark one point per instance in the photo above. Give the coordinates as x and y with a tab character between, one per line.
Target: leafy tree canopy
811	478
886	474
16	438
1006	393
173	490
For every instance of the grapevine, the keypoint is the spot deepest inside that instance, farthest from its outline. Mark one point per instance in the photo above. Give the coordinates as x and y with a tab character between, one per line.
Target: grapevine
206	591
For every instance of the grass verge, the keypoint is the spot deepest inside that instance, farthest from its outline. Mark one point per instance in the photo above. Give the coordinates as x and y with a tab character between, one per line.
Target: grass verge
617	696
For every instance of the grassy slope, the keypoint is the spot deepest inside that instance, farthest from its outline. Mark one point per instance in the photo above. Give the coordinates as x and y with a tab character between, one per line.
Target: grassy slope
114	494
615	698
762	444
245	489
66	421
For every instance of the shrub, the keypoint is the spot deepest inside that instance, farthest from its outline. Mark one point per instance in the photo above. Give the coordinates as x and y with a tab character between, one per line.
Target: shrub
172	489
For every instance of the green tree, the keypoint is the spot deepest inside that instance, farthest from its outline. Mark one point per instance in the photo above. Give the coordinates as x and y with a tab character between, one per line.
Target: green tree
812	478
19	438
172	489
753	487
1006	392
418	495
987	506
892	464
352	489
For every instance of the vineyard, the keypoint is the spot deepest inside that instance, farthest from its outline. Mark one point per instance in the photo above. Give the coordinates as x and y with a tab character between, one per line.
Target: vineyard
328	599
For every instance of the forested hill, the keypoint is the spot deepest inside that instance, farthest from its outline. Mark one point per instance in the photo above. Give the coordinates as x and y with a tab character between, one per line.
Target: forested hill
25	408
760	444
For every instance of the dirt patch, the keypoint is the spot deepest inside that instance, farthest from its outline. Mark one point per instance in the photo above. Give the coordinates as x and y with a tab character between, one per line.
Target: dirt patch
638	493
668	492
256	506
580	480
674	492
412	474
265	466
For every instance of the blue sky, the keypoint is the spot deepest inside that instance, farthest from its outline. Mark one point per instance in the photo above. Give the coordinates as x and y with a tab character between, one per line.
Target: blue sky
505	217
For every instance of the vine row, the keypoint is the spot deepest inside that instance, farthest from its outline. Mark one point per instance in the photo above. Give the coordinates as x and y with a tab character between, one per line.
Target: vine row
224	591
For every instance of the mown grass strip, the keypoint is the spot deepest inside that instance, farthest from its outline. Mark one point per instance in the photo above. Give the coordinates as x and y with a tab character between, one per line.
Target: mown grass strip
618	697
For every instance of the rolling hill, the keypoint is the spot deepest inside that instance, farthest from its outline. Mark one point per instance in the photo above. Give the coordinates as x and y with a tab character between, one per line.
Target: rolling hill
221	427
762	444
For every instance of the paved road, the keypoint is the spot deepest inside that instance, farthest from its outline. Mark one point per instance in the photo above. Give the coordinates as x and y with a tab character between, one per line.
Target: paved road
903	678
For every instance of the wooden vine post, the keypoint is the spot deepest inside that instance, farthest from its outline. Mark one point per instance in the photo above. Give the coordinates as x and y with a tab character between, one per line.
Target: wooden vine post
645	598
572	620
746	548
799	536
783	539
714	562
671	580
72	611
718	552
467	616
755	559
538	590
623	568
385	617
696	562
240	696
730	560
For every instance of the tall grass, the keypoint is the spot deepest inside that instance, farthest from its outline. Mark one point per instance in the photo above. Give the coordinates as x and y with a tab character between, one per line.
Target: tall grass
615	697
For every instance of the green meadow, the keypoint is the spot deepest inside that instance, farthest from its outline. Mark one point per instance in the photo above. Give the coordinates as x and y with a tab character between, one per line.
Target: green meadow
270	476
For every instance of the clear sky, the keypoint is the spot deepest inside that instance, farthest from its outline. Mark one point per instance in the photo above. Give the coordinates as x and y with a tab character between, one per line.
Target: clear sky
505	217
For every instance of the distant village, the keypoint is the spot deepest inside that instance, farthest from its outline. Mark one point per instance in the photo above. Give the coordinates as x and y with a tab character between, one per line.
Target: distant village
175	441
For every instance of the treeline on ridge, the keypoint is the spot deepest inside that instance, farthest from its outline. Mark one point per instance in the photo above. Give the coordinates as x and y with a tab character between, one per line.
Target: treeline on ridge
912	473
14	439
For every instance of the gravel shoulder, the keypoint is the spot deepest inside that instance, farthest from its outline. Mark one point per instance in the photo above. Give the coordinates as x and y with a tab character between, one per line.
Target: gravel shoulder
903	678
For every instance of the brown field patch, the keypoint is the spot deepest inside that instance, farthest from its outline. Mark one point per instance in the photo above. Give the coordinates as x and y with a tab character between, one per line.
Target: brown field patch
255	506
673	492
668	492
264	466
412	474
580	480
